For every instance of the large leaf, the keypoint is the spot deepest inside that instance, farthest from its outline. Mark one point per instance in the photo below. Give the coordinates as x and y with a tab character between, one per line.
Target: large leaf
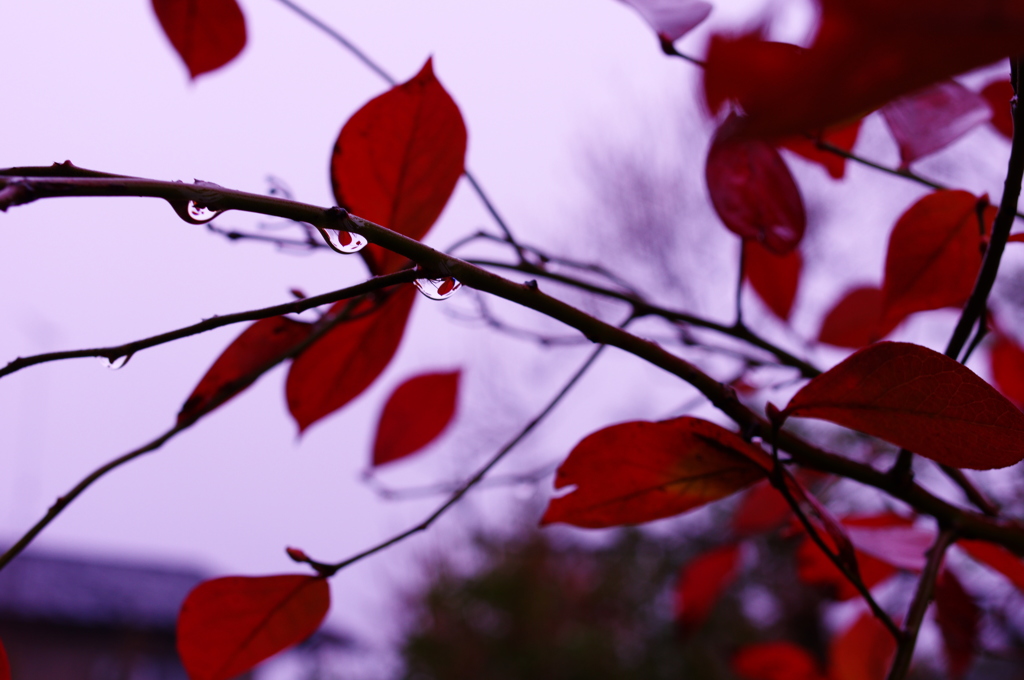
931	119
228	625
864	54
856	320
336	368
1006	361
998	94
775	278
934	255
640	471
671	19
701	583
416	413
753	191
958	618
396	161
996	557
843	137
260	344
863	651
206	33
775	661
920	400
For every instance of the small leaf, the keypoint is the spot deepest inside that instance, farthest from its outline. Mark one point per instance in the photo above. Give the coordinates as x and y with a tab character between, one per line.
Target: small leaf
931	119
671	19
415	414
920	400
753	192
856	320
207	34
934	255
336	368
958	618
260	344
998	94
775	278
640	471
1006	361
228	625
702	581
396	161
775	661
996	557
815	568
843	137
762	509
862	652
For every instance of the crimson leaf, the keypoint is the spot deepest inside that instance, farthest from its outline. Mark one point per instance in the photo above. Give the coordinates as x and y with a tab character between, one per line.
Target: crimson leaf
701	583
206	33
415	414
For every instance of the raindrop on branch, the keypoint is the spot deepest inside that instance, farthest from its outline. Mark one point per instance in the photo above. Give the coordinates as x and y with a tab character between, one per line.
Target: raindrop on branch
344	242
438	289
116	362
200	214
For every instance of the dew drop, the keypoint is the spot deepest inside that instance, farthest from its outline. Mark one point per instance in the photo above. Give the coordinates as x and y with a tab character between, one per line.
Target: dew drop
344	242
438	289
200	214
117	362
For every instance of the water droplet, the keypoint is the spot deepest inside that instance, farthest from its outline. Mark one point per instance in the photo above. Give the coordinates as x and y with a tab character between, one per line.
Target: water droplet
438	289
344	242
117	362
200	214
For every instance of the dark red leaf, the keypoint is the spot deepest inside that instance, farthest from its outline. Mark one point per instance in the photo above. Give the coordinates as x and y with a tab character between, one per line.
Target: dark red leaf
5	665
701	583
228	625
762	509
640	471
843	137
998	94
856	320
920	400
259	345
958	618
775	278
1007	365
862	652
931	119
996	557
934	255
415	414
397	160
671	19
815	568
775	661
891	538
206	33
753	191
336	369
864	54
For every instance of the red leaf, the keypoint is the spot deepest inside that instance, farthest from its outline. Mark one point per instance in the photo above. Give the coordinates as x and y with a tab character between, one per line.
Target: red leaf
415	414
934	255
920	400
998	94
702	582
856	320
228	625
397	160
671	19
863	652
958	618
5	665
891	538
753	192
996	557
774	277
336	369
762	509
206	33
1007	365
260	344
933	118
775	661
640	471
815	568
865	53
844	137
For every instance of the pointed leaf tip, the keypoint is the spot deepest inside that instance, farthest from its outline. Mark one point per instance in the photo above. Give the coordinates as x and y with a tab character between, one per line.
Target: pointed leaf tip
228	625
671	19
207	34
416	413
920	400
